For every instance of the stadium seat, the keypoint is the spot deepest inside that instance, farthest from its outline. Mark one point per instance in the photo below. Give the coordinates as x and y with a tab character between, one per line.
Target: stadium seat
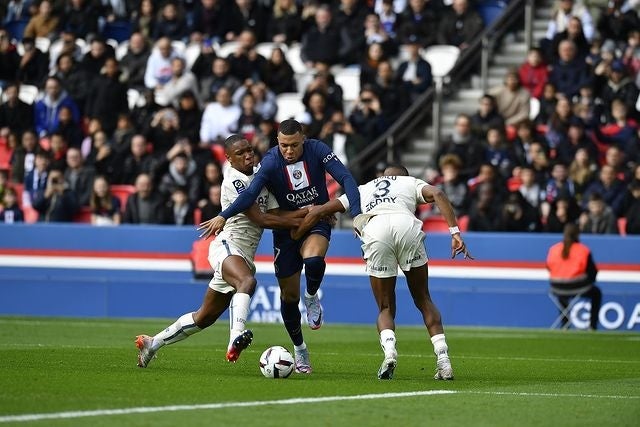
117	30
122	49
564	311
490	10
30	215
199	259
122	192
289	105
218	153
191	54
19	188
16	28
294	58
83	215
435	224
179	47
43	44
228	48
197	216
513	183
135	98
5	155
266	48
534	108
463	223
622	226
28	93
349	80
441	58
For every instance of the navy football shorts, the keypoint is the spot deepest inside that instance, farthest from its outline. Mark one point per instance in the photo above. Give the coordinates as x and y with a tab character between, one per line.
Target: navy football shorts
287	259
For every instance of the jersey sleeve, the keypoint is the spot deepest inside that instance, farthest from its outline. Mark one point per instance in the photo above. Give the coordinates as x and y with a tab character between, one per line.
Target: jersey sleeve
247	197
341	174
345	201
420	184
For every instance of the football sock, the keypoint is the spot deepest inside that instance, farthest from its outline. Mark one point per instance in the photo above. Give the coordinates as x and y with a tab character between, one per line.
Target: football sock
439	344
179	330
291	319
300	347
314	272
238	313
388	342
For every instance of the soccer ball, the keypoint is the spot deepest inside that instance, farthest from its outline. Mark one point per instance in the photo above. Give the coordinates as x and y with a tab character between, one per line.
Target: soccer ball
276	362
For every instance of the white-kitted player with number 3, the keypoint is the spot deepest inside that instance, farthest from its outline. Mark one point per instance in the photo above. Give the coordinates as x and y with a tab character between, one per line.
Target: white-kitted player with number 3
392	237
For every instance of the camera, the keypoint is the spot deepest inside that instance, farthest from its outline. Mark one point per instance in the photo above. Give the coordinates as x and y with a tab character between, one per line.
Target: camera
336	126
367	100
55	181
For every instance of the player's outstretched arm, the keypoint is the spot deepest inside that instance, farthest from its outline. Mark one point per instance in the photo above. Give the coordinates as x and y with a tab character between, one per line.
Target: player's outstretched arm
211	227
434	194
275	218
315	214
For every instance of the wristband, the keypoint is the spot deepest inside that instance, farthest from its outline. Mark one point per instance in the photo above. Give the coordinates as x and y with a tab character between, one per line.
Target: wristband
454	230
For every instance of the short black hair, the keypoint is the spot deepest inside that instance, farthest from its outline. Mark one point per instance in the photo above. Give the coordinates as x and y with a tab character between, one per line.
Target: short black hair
290	127
228	143
401	170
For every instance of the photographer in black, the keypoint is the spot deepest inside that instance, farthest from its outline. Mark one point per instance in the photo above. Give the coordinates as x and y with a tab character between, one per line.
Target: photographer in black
56	203
346	143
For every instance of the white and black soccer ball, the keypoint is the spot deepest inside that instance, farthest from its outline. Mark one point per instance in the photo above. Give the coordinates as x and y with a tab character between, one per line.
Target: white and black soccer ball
276	362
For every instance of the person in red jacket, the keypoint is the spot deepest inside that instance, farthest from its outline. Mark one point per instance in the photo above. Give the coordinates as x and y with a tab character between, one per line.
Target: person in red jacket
534	73
572	271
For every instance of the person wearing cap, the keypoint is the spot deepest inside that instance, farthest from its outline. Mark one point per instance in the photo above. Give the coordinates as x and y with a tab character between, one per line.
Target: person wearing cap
621	86
414	72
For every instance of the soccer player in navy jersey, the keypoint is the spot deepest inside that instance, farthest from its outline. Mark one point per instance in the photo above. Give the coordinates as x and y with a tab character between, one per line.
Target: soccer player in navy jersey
294	172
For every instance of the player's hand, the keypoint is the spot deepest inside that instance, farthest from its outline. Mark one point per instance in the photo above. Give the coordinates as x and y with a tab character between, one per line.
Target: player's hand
330	219
458	247
211	227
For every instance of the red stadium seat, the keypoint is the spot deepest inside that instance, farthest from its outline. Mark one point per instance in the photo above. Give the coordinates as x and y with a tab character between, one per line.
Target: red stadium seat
199	259
622	226
5	154
463	223
218	153
332	186
197	216
83	215
19	188
513	183
435	224
30	215
122	192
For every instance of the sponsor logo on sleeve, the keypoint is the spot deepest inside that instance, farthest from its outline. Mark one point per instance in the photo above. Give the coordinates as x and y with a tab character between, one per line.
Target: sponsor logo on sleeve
239	186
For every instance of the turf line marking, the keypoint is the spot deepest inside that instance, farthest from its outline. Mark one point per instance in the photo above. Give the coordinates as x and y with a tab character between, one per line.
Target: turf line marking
586	396
173	408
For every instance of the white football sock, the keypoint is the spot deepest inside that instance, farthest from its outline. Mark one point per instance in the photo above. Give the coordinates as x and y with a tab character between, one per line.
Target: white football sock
238	313
388	342
179	330
300	347
439	344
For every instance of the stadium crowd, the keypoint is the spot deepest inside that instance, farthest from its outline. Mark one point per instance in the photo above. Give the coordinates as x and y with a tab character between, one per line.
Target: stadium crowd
137	96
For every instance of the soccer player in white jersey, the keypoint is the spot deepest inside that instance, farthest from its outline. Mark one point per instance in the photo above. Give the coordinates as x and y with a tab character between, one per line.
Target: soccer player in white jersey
392	236
231	256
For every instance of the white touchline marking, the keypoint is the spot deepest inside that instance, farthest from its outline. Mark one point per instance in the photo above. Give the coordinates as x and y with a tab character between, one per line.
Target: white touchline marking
173	408
205	406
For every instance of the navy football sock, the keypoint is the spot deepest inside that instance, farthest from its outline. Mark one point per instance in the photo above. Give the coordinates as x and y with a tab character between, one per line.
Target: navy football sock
291	318
314	272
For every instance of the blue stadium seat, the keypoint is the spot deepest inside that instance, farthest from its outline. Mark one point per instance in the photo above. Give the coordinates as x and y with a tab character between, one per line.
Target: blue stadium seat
117	30
16	28
490	10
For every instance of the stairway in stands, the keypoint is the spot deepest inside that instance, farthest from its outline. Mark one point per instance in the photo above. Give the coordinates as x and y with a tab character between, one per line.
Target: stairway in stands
512	52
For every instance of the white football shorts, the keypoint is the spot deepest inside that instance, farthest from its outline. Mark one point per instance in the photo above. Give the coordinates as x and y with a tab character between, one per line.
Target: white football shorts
389	241
219	250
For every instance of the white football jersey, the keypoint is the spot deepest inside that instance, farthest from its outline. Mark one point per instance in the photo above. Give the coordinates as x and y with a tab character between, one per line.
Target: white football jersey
239	229
388	195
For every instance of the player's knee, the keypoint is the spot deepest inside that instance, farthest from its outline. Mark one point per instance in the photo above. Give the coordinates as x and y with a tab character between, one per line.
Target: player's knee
247	285
314	267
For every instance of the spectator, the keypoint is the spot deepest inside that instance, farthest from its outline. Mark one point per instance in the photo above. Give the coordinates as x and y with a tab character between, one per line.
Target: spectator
582	170
203	63
108	97
145	20
189	116
539	160
170	23
323	81
24	156
221	76
525	135
68	46
599	218
121	138
533	73
609	188
547	104
58	151
15	115
344	141
212	207
517	215
558	124
246	63
559	185
620	86
350	16
265	99
134	63
389	15
182	173
68	129
278	74
486	117
81	17
138	161
163	131
318	114
249	120
179	211
181	80
615	22
285	25
575	33
94	60
563	211
462	143
374	32
419	19
366	116
73	79
459	25
144	112
34	64
574	140
36	180
211	19
247	15
78	177
145	206
158	71
453	185
394	100
9	59
414	72
319	42
621	130
211	177
570	72
484	212
512	100
105	208
42	24
572	272
102	157
496	152
632	208
17	10
10	212
530	188
615	158
47	109
564	11
219	118
631	52
57	203
369	64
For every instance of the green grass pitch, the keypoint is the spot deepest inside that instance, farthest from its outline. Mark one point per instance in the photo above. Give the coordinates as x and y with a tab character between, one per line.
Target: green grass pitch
83	373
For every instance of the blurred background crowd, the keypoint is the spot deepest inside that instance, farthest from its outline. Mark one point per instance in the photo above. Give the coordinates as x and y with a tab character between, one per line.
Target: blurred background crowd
115	111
